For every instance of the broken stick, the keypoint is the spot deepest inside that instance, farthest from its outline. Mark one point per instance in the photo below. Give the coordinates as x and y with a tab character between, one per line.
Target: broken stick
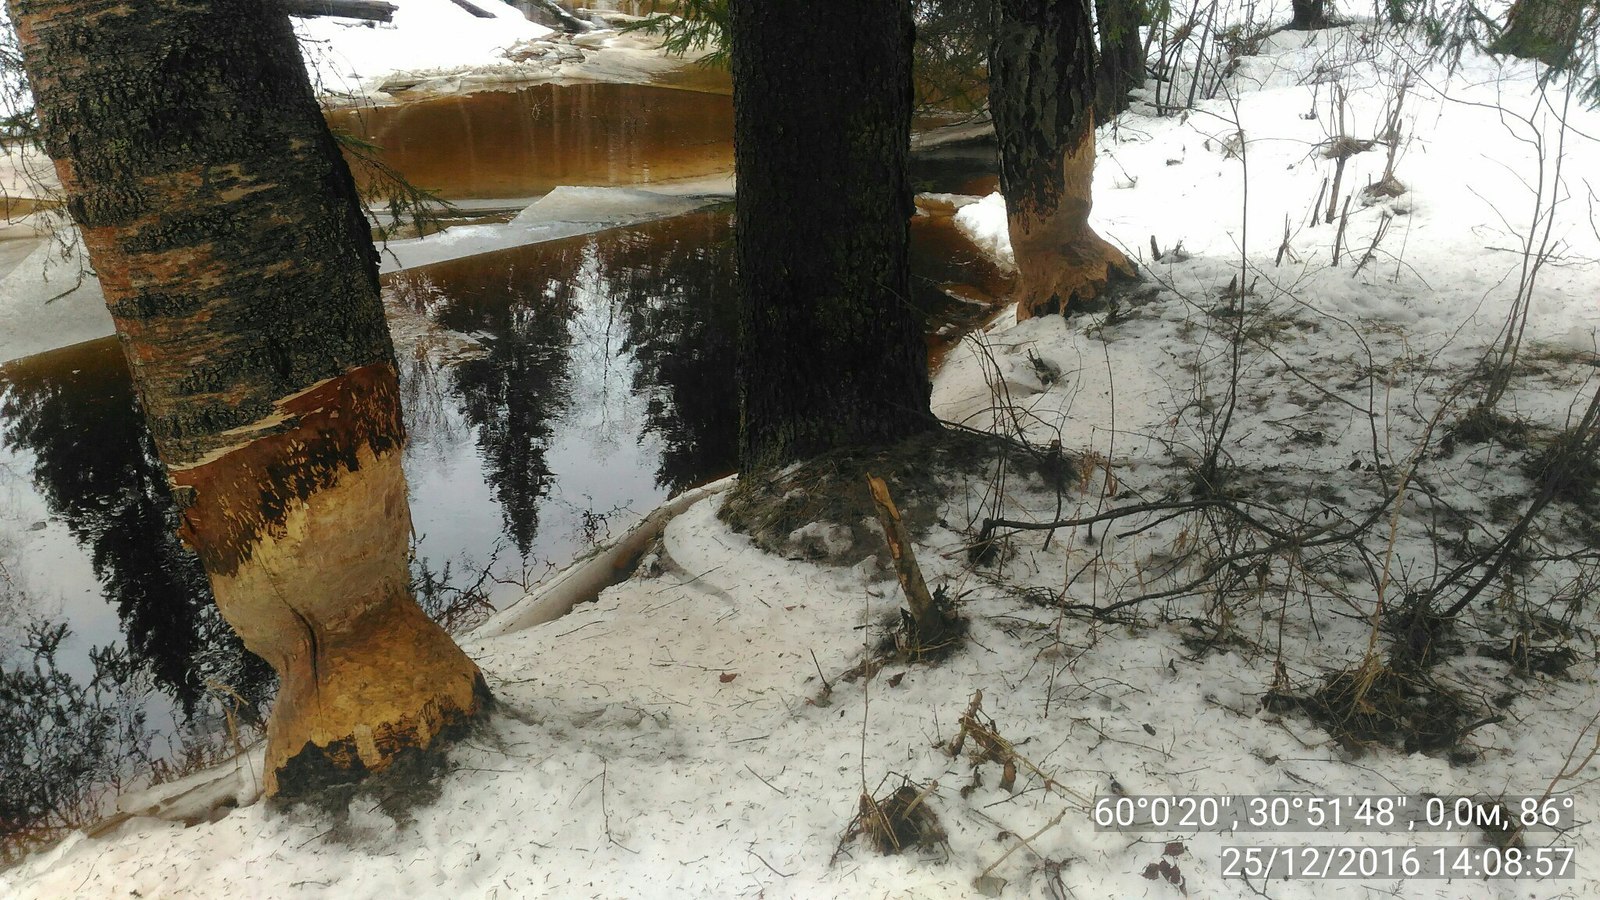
930	621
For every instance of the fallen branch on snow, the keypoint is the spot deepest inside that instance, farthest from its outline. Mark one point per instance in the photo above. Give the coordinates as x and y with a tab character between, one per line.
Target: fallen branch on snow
585	579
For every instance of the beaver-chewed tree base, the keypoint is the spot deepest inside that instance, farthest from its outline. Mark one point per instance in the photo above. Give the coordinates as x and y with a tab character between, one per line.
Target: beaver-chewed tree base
412	779
1082	274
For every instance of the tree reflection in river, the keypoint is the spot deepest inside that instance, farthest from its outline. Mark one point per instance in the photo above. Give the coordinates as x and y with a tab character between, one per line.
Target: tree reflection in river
562	320
97	470
520	307
675	282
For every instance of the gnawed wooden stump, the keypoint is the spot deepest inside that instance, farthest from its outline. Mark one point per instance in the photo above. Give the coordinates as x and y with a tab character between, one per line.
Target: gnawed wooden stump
933	625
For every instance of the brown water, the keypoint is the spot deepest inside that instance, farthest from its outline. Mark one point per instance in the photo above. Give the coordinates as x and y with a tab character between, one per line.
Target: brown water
957	285
525	142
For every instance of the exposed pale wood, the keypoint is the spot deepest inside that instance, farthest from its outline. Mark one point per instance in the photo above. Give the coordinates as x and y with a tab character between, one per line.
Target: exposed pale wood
1041	91
1061	261
368	10
923	610
240	273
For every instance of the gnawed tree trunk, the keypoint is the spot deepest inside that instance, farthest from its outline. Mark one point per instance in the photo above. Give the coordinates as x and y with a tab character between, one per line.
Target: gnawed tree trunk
1041	90
831	351
1545	30
1121	55
224	227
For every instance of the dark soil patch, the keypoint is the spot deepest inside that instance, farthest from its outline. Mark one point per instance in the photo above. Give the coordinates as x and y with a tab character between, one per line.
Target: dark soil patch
1568	467
1421	635
1479	426
821	509
413	779
1528	659
1377	705
900	821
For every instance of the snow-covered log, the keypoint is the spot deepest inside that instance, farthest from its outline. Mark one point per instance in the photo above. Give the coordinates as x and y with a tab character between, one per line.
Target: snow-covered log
205	796
370	10
586	578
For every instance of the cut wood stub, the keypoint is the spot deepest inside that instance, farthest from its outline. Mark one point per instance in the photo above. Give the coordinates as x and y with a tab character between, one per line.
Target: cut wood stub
325	599
932	624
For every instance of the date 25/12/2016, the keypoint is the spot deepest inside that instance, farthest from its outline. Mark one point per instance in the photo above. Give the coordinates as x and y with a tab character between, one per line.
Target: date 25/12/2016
1329	862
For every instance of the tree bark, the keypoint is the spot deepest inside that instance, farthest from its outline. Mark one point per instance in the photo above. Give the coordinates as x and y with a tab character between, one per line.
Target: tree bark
1042	86
235	260
1545	30
831	351
1121	55
1309	15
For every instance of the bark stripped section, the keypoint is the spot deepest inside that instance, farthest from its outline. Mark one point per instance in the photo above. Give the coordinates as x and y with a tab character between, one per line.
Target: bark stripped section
831	350
325	599
239	270
1042	94
232	501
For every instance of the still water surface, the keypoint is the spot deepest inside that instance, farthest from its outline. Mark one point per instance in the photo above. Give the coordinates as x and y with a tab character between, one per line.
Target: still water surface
525	142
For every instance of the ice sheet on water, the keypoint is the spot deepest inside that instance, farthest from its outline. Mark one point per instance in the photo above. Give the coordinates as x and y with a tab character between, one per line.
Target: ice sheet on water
564	212
49	300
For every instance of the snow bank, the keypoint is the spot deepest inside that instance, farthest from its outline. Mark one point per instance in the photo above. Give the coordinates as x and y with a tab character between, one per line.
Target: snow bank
1451	248
427	37
673	739
435	47
984	223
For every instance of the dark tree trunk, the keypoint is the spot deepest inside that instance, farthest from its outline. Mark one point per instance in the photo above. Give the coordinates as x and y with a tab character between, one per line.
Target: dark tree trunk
1545	30
1041	90
1309	15
1121	55
831	351
238	267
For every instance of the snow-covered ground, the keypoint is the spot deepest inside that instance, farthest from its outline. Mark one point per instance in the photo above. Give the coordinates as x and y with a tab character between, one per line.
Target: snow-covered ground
675	738
435	47
425	38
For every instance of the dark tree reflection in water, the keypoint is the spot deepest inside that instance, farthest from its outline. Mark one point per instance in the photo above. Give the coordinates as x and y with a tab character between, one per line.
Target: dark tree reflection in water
675	285
536	379
96	468
654	300
72	729
521	309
